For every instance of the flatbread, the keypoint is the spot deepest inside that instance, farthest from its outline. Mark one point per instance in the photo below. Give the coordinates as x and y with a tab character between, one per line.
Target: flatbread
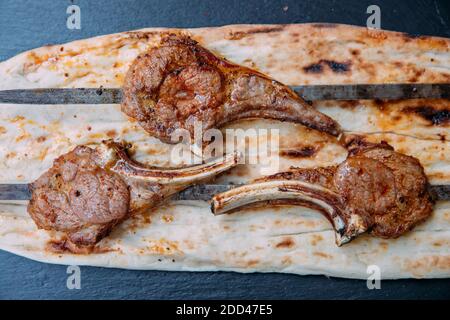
185	235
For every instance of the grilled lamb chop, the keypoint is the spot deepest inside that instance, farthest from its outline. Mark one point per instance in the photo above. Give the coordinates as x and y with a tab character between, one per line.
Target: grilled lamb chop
89	191
375	189
179	83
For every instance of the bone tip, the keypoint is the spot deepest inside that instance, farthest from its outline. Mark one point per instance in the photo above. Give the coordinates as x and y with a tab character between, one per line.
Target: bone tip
336	130
215	207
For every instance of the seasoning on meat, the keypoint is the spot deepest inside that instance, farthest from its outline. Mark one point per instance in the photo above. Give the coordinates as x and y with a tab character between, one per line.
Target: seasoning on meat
375	189
179	83
88	191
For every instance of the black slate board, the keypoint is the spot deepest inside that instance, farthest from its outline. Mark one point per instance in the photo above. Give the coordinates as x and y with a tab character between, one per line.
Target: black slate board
28	24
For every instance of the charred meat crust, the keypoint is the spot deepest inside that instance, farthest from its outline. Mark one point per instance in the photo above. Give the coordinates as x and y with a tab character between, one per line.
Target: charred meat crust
378	190
87	192
180	83
79	197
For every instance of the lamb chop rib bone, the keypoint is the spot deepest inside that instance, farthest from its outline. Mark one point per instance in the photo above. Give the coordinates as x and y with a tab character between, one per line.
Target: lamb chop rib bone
88	191
180	83
375	189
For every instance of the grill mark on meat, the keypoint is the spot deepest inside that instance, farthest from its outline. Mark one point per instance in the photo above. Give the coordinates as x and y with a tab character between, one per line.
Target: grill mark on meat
434	116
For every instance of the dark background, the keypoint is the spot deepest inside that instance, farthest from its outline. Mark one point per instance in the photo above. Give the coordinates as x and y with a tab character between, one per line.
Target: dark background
28	24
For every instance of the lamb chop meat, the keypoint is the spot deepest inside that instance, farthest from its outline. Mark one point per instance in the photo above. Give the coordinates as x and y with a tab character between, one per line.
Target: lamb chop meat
88	191
180	83
375	189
